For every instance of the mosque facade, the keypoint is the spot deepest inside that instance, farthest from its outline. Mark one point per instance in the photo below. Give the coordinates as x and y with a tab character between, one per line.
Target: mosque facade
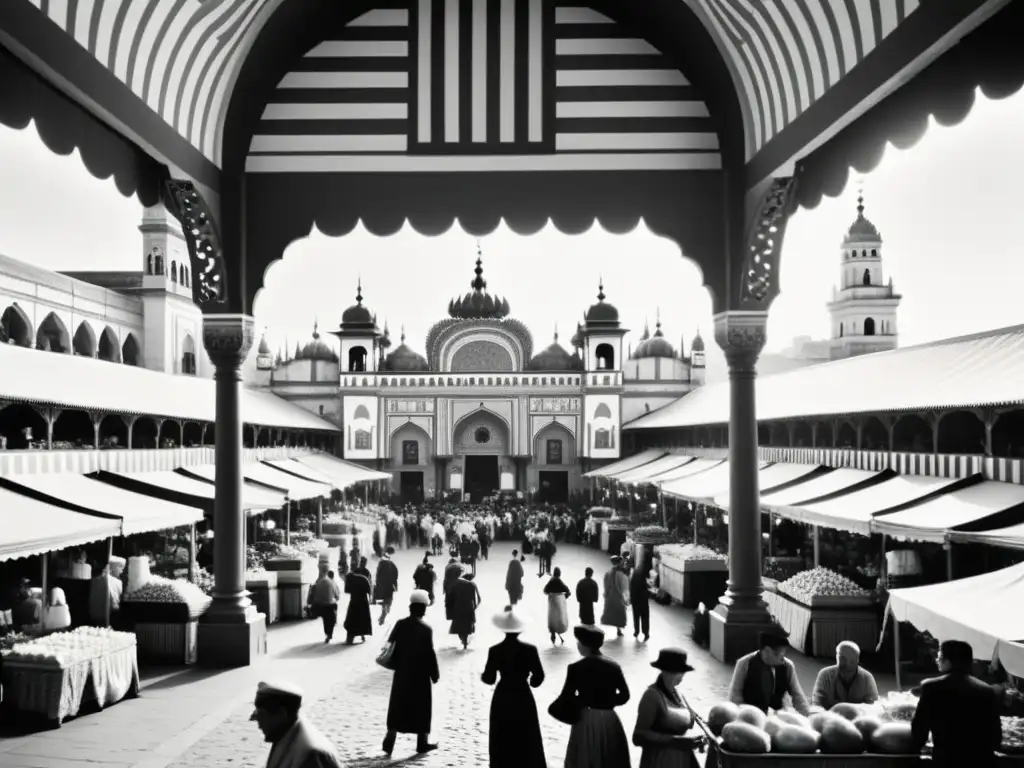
481	410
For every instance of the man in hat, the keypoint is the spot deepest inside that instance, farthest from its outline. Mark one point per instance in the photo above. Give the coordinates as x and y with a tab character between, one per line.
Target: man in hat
514	580
764	677
616	597
295	743
386	583
410	706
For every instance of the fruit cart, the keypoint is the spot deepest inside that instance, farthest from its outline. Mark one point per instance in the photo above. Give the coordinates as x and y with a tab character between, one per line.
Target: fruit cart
165	616
691	574
821	606
56	676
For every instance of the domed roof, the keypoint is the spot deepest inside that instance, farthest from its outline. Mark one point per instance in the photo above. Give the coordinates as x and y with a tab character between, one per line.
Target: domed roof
405	360
384	342
264	347
658	346
577	338
862	230
602	313
478	304
698	343
641	348
555	357
357	314
316	349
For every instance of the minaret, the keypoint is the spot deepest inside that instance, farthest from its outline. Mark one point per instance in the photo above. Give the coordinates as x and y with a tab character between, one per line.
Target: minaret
863	309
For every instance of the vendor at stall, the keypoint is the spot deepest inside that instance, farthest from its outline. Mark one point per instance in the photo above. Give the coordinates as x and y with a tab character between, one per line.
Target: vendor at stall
28	609
107	589
764	677
846	681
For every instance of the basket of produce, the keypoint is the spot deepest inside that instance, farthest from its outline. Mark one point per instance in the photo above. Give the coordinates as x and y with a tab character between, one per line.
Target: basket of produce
820	587
652	534
1013	736
165	601
848	736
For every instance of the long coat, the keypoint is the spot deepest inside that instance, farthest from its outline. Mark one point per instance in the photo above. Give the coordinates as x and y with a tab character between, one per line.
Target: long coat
387	581
357	617
464	597
616	598
514	734
586	596
452	573
410	707
514	580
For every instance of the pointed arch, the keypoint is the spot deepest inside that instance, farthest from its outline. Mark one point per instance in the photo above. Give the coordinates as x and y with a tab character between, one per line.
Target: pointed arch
546	453
867	277
602	411
361	412
85	340
130	351
188	356
174	271
15	327
411	446
53	335
869	326
109	347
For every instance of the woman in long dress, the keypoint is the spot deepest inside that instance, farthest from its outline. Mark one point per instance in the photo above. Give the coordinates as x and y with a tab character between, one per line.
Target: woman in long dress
665	716
357	617
415	665
616	597
595	684
558	609
515	738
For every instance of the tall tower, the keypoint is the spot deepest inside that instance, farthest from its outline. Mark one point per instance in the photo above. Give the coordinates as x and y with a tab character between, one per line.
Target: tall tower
166	264
601	338
359	337
698	365
863	308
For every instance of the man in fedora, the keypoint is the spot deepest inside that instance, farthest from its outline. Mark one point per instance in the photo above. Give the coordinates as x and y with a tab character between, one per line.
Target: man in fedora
295	742
763	678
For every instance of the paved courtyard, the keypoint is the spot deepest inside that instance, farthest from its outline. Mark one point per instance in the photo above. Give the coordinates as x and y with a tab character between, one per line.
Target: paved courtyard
200	719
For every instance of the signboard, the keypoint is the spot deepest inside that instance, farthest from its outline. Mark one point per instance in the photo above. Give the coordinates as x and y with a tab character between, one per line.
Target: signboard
508	482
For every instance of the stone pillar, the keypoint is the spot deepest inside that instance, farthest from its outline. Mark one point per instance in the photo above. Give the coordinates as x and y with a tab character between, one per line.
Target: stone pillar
742	613
231	633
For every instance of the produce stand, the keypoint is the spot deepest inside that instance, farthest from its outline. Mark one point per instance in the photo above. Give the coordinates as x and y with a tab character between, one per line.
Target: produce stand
692	581
264	593
294	578
613	536
57	689
719	757
166	632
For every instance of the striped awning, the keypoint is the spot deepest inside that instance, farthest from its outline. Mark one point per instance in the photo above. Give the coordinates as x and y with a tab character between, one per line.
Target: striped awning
182	489
31	527
647	472
693	468
297	468
774	477
259	475
343	474
818	487
703	486
136	512
628	463
939	518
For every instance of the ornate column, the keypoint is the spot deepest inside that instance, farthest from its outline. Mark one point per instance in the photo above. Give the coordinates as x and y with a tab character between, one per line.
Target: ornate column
231	633
742	613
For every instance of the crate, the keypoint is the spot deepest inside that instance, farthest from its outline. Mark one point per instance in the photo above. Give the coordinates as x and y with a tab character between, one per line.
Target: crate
722	758
168	643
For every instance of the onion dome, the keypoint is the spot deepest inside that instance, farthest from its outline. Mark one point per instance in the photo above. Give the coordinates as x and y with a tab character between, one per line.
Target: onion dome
641	348
553	358
658	346
264	348
862	230
316	349
698	343
478	304
405	360
385	340
602	313
358	317
577	338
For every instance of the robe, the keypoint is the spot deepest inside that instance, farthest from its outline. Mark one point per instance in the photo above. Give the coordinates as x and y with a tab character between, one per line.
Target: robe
616	598
303	747
357	617
514	581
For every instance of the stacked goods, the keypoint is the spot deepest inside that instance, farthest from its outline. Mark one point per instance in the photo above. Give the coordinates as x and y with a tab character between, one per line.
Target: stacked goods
65	649
809	586
846	729
652	534
161	590
1013	735
681	553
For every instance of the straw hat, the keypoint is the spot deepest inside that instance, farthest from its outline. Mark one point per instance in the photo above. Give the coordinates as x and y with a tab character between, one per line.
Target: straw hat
510	622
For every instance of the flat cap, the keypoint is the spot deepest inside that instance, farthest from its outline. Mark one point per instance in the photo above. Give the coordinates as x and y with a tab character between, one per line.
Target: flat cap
279	691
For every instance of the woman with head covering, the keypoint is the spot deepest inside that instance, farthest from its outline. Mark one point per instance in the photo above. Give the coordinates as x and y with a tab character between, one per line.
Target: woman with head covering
357	617
665	717
558	610
410	707
594	686
616	596
515	738
464	597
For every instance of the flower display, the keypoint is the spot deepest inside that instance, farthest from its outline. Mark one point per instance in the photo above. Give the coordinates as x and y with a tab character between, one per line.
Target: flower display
161	590
687	552
651	534
64	649
820	582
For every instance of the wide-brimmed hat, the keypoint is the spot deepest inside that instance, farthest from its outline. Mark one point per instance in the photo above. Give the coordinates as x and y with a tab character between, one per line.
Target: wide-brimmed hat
589	635
419	597
510	622
672	660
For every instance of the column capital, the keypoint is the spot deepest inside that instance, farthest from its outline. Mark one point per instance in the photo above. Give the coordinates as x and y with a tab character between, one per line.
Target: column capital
742	336
228	338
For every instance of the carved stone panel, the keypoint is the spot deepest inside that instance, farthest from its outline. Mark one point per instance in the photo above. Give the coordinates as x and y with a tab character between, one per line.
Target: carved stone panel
554	404
410	406
483	356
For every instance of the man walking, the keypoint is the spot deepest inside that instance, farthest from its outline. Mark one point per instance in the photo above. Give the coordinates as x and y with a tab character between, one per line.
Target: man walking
514	580
586	595
639	598
386	584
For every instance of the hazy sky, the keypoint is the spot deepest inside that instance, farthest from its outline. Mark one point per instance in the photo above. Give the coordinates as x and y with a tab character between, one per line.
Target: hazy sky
947	210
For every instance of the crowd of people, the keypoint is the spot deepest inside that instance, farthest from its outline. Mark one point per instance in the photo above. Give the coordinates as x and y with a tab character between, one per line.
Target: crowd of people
595	685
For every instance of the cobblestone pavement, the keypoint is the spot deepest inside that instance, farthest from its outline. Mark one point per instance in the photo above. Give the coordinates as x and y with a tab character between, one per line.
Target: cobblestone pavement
201	719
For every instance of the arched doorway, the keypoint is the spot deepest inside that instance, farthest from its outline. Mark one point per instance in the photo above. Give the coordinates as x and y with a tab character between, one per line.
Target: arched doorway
481	444
53	336
15	327
412	459
554	458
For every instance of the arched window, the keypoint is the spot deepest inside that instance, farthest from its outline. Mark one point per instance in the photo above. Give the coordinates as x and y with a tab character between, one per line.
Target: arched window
605	355
158	261
15	327
357	359
874	253
840	330
181	275
869	327
188	355
174	271
130	350
85	341
53	335
109	348
149	264
867	277
188	279
361	413
602	412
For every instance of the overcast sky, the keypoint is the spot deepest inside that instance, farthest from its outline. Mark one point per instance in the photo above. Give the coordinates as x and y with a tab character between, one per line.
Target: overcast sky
948	211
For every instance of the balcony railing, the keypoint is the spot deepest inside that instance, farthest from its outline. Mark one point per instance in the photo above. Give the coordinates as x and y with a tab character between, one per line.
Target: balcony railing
124	460
486	380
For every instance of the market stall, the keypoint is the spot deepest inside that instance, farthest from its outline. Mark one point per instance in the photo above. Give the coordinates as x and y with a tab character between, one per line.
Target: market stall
691	574
57	675
645	473
938	519
626	464
165	614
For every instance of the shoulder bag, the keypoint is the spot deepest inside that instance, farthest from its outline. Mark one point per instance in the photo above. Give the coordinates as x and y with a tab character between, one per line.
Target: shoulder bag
566	709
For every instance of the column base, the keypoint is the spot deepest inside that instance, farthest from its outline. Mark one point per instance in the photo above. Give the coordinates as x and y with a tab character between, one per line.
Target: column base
735	627
238	642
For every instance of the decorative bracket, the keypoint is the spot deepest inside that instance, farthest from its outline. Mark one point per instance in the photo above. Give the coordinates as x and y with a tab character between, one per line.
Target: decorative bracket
760	281
203	240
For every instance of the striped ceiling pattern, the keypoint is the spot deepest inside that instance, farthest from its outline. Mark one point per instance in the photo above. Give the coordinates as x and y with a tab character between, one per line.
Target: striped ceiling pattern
788	53
175	55
483	85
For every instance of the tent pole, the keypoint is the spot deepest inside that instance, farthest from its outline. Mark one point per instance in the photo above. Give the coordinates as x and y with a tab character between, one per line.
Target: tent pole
320	518
288	524
192	553
883	566
817	545
896	650
948	546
